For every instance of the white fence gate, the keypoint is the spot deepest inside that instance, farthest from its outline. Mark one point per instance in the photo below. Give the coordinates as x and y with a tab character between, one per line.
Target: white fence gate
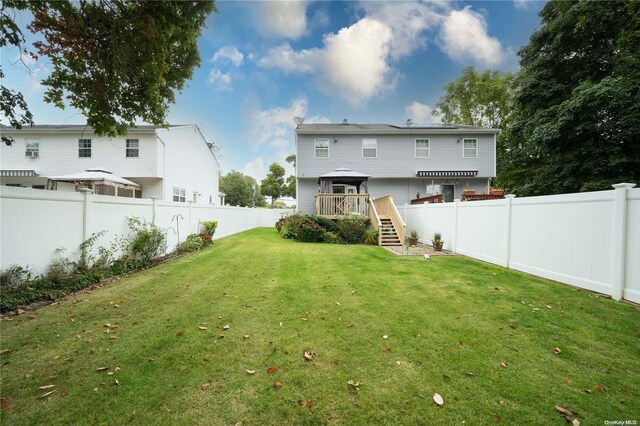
590	240
35	224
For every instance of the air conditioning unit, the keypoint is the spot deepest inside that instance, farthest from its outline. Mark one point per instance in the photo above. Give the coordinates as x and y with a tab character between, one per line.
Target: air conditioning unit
31	154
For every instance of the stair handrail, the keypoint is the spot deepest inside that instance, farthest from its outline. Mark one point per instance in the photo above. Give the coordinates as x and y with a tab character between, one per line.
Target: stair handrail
395	217
374	217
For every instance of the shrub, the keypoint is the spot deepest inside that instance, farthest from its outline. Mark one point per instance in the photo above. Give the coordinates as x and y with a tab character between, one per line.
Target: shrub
209	227
332	238
192	243
288	233
327	224
206	239
145	244
14	278
352	228
311	232
371	237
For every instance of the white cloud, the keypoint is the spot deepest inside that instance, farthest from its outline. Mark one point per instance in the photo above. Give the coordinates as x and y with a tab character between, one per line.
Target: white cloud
228	54
281	19
256	169
420	113
288	60
219	80
521	4
464	38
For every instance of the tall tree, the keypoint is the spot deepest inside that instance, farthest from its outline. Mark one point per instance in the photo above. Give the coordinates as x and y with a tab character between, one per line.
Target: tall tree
241	190
117	61
477	99
274	185
577	107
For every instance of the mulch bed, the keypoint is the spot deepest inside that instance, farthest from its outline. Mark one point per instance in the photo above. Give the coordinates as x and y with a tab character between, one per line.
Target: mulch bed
417	250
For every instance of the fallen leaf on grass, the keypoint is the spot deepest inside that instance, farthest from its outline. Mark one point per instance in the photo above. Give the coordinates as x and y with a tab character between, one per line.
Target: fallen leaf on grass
385	337
180	333
64	393
354	385
504	364
200	327
204	386
116	382
557	351
207	358
226	327
588	391
102	368
549	306
397	362
220	336
565	412
309	355
437	398
567	379
277	385
306	404
536	309
57	357
575	422
272	370
252	372
5	351
5	403
47	394
496	416
600	388
246	336
45	387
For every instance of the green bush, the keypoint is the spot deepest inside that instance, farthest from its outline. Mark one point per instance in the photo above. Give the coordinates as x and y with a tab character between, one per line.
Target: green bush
328	224
352	228
311	232
332	238
209	227
192	243
14	278
145	243
371	237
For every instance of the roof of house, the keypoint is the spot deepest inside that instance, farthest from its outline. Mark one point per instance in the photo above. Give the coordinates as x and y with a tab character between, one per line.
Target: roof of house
71	128
356	128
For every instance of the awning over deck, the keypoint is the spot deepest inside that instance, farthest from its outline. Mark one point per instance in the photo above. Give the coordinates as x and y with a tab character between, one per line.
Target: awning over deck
343	176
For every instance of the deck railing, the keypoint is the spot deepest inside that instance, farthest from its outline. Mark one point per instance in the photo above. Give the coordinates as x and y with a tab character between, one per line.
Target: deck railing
387	209
336	205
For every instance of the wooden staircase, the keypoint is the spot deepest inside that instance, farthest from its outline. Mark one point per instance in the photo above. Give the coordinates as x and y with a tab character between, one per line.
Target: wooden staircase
388	234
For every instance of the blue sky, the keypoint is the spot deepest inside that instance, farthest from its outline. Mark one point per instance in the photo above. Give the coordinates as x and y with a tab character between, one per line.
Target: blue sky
264	62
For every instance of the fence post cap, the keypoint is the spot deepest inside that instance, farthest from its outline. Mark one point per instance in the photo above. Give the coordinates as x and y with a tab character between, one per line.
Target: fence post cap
86	190
623	185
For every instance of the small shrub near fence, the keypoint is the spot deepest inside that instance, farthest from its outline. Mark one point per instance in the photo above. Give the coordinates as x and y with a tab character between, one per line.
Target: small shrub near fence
143	246
353	229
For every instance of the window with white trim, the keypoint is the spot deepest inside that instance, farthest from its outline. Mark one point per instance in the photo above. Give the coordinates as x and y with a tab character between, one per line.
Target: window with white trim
84	148
369	148
321	148
470	148
33	148
179	194
422	148
133	148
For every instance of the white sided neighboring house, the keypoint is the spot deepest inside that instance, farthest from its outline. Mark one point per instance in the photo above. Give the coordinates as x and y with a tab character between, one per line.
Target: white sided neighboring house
174	164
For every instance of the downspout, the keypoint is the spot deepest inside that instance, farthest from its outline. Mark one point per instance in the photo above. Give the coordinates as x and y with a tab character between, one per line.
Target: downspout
295	170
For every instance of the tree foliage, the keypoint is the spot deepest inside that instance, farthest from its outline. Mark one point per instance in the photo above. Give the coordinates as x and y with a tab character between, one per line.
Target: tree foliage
12	103
239	190
576	120
477	99
274	184
117	61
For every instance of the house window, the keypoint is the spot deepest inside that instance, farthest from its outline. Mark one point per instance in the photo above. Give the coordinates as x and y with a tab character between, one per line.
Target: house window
422	148
470	148
84	148
133	148
369	148
179	194
33	148
321	148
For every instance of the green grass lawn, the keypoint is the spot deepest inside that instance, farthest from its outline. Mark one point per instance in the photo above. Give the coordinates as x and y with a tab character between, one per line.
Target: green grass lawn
481	336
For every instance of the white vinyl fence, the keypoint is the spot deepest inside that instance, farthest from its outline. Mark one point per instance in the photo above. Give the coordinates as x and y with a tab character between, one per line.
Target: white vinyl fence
589	240
36	224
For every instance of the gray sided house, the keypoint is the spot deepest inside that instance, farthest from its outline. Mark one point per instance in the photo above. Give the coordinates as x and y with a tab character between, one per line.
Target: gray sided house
408	163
